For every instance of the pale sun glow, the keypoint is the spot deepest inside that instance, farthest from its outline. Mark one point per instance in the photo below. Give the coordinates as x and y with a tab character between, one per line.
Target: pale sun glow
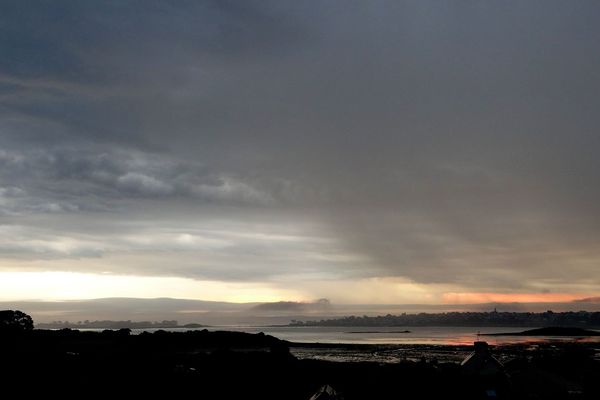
74	286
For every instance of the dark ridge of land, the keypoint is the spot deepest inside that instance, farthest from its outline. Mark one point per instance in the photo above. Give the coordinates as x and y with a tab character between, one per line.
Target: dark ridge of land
582	319
234	365
549	331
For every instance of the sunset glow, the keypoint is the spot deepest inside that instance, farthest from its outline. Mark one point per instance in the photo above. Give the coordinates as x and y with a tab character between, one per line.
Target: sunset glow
379	153
476	298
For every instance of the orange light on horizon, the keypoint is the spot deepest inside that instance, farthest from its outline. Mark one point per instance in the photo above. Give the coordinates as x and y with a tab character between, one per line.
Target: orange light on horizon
475	298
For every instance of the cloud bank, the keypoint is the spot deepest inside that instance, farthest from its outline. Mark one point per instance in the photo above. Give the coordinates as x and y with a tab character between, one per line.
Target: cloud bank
445	145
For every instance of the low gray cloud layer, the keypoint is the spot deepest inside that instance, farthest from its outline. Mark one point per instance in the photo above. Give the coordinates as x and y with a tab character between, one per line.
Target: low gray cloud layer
450	143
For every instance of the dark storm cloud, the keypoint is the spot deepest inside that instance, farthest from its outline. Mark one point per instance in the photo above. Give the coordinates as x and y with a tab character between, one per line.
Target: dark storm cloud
444	143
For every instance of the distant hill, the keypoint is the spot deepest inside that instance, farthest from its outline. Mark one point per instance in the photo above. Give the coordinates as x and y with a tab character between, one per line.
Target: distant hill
588	300
273	313
550	331
134	309
287	306
108	324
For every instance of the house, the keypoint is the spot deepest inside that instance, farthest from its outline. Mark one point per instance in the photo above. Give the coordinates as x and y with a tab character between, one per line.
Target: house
485	374
481	361
326	392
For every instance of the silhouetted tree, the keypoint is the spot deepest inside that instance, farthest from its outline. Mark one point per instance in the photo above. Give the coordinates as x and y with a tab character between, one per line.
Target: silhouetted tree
15	321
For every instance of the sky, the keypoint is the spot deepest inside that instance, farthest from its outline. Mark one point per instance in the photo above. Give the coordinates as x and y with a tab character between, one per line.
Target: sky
365	152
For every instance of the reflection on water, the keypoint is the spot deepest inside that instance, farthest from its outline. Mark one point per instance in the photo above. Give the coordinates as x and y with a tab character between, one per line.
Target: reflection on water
394	344
430	335
436	335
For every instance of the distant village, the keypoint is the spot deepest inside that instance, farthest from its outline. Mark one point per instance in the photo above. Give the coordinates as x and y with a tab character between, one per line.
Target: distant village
108	324
494	318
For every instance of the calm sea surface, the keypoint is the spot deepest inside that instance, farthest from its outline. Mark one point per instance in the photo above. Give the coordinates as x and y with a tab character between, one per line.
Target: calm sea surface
430	335
394	344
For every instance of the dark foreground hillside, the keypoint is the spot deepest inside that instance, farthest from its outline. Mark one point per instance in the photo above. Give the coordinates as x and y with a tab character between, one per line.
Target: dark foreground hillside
233	365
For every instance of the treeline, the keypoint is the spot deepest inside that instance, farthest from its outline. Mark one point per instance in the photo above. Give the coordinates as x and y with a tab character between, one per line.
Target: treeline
517	319
108	324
